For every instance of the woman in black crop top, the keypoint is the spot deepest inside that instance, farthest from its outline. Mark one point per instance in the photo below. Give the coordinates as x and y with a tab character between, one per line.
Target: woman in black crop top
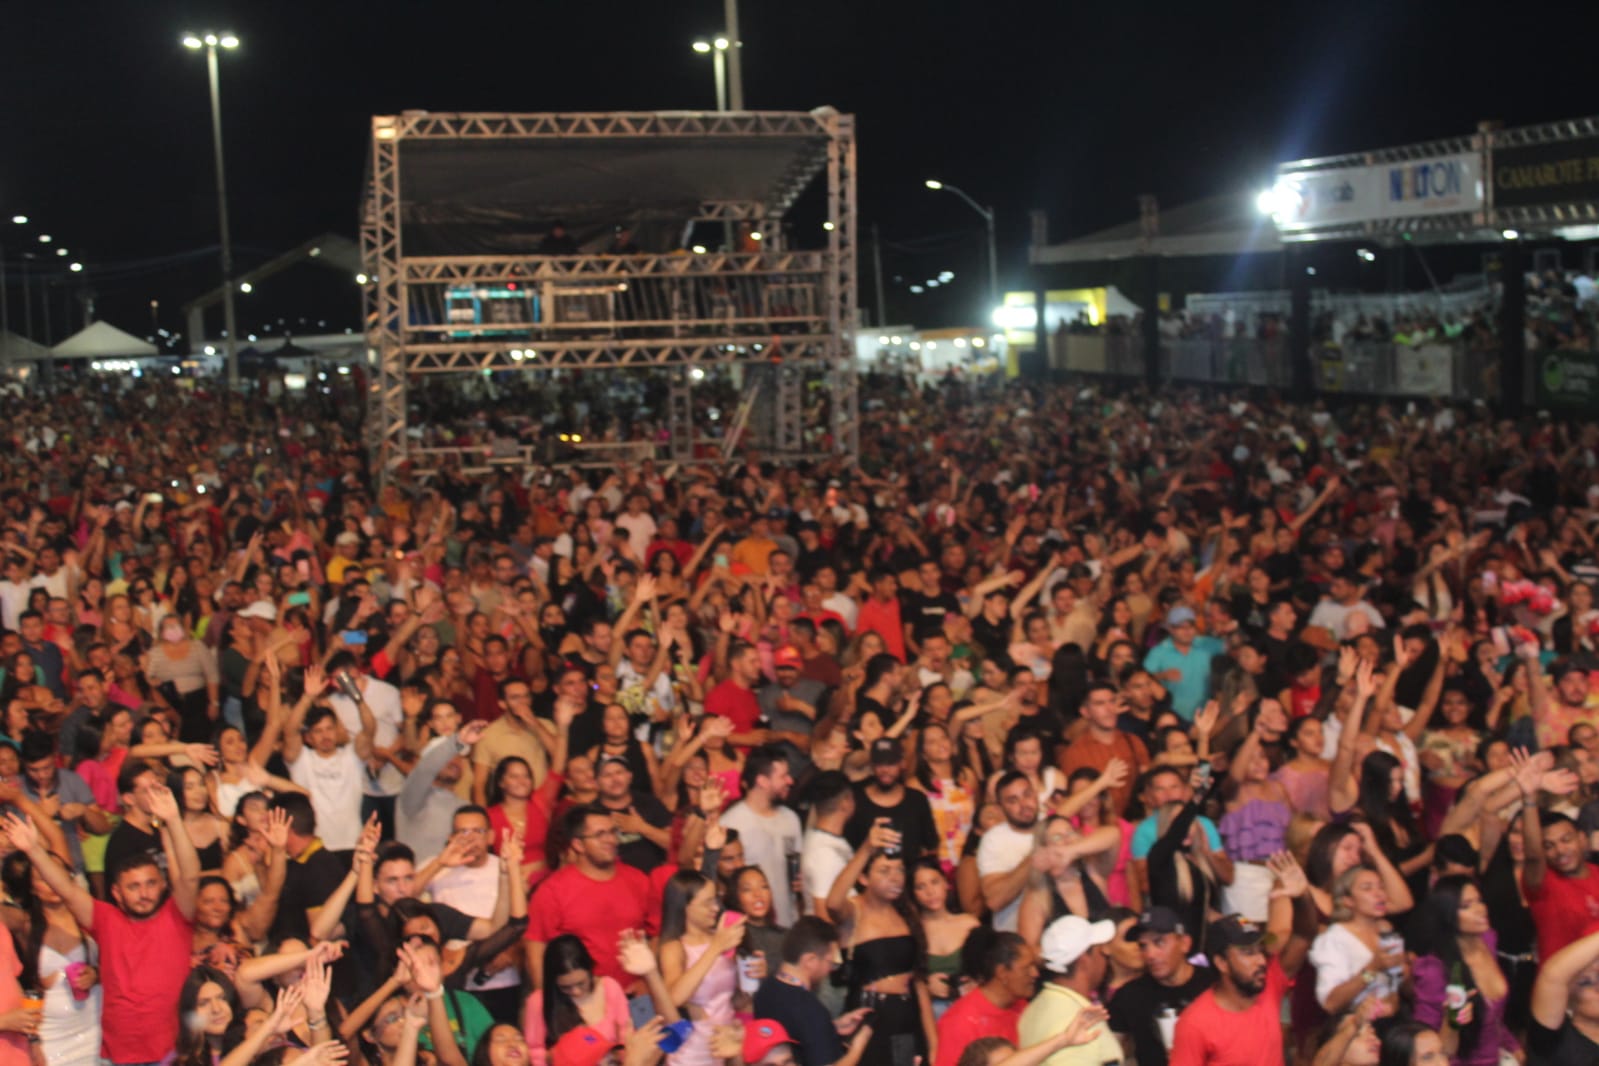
888	959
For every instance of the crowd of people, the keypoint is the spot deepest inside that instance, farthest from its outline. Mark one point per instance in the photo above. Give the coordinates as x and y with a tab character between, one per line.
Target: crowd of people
1064	727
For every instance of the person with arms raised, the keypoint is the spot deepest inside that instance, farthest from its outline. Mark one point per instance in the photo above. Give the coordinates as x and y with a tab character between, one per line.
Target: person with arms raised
144	939
1239	1020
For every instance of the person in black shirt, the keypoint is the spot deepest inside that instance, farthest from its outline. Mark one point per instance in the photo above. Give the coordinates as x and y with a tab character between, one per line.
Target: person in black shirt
313	871
136	834
884	795
991	628
788	997
1146	1008
1564	1027
572	685
923	612
642	821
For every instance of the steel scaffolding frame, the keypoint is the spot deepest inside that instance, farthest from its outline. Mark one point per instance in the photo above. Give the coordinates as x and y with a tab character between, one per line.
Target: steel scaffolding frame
795	339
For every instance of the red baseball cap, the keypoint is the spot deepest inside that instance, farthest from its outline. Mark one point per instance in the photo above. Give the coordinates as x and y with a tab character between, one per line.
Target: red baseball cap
760	1037
583	1046
787	655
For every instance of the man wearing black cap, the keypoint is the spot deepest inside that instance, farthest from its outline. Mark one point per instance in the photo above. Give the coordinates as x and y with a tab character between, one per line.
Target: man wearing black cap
1146	1008
884	795
1240	1018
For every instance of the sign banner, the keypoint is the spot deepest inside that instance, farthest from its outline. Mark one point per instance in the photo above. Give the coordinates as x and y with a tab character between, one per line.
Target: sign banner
1569	380
1558	172
1342	196
1426	370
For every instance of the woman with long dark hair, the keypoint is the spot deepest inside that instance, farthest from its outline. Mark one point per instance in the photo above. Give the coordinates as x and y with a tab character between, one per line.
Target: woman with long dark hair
696	946
572	996
888	970
58	957
1381	801
211	1030
943	775
1461	947
750	894
514	804
943	930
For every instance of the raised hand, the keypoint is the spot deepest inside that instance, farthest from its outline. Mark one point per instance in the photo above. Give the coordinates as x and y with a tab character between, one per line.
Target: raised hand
424	968
471	733
316	681
289	999
1205	720
315	985
713	796
164	805
1291	879
277	829
456	852
1527	774
634	954
882	836
202	754
1366	680
20	831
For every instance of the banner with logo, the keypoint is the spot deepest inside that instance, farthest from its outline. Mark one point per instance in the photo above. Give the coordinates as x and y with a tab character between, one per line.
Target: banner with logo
1425	370
1569	380
1559	172
1345	196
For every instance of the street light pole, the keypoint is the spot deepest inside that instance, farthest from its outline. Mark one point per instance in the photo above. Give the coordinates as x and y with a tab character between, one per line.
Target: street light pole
735	79
211	42
988	220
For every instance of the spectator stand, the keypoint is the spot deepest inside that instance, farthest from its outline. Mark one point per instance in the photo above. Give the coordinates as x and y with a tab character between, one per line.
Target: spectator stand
456	208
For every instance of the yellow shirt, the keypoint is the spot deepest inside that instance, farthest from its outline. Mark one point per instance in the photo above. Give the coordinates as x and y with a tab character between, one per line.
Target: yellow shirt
1050	1012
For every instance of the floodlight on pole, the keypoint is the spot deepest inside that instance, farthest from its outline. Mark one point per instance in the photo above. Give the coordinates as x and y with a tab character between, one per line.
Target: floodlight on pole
988	221
717	50
212	42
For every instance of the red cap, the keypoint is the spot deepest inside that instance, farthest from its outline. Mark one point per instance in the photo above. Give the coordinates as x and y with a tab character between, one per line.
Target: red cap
788	655
583	1046
761	1036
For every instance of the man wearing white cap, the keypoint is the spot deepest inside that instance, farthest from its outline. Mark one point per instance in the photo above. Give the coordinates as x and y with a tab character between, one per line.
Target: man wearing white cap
1072	952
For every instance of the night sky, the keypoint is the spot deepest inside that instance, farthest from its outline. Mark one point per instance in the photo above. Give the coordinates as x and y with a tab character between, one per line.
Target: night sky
1072	107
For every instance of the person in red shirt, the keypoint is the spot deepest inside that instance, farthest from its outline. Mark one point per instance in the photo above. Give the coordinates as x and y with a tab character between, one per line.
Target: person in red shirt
1007	972
1561	885
734	699
880	614
1238	1021
144	940
592	896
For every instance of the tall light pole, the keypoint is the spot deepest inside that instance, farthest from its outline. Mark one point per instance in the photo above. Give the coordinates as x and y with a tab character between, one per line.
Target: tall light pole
211	42
735	80
988	220
717	49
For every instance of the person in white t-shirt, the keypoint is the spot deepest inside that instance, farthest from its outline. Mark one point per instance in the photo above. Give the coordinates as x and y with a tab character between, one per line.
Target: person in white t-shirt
332	773
769	832
383	699
826	852
638	522
470	877
1004	857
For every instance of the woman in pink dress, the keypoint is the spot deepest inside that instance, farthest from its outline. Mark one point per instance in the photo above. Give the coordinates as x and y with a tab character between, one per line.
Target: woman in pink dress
697	960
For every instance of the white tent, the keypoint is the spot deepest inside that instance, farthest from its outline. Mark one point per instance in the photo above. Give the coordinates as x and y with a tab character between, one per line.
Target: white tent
102	340
18	349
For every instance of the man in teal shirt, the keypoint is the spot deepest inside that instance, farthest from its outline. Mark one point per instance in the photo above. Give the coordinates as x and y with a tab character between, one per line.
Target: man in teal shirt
1181	662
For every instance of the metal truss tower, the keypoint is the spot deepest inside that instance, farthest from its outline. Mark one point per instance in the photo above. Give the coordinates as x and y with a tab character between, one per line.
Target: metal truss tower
793	311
